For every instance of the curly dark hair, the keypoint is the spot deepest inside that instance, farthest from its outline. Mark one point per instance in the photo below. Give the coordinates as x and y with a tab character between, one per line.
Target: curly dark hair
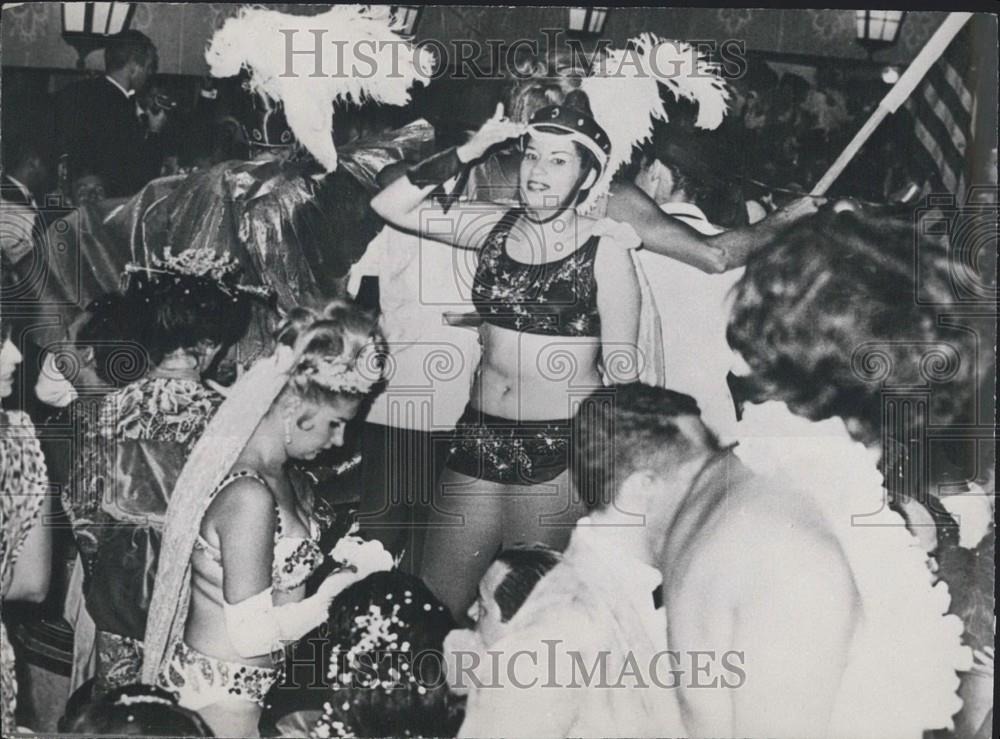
181	311
111	326
379	699
841	303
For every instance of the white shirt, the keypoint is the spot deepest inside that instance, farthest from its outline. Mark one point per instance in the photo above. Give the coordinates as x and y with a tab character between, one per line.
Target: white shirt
596	605
24	190
432	364
113	81
694	308
635	579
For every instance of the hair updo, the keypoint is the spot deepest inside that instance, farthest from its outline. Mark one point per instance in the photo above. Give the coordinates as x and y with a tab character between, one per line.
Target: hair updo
182	311
340	352
842	305
385	666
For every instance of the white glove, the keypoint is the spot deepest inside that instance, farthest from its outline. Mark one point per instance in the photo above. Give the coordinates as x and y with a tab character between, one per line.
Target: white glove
365	557
256	627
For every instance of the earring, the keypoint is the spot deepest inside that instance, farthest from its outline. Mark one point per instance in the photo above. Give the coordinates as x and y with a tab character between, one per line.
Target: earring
288	430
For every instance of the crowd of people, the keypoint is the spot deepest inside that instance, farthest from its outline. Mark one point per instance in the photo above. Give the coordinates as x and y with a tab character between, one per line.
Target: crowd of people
625	462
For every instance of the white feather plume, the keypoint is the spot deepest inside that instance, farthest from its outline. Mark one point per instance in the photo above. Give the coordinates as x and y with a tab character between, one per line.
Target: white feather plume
624	95
363	58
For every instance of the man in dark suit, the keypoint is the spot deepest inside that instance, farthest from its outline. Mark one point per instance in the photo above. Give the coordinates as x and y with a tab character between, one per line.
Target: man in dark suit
22	221
98	125
25	176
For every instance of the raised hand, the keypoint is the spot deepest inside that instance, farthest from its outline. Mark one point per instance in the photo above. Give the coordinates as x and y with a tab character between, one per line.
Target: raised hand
496	130
798	208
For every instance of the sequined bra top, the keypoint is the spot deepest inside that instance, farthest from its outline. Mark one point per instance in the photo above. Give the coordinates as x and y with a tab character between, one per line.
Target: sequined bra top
556	298
295	557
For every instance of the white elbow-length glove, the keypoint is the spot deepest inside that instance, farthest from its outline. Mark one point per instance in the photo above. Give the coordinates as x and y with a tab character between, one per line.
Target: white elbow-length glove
256	627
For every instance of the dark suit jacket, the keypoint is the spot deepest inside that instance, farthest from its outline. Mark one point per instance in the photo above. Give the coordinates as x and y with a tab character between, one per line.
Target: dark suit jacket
97	126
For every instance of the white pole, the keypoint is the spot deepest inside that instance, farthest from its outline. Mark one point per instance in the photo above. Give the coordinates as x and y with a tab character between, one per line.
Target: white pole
903	88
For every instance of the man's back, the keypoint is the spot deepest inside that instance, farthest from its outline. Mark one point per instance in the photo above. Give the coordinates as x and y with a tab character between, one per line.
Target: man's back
97	126
796	563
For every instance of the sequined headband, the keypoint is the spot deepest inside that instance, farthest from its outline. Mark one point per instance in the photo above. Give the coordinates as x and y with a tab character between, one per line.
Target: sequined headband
137	700
200	263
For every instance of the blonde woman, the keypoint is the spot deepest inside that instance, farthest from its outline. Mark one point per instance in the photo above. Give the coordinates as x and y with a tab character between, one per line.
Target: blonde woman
240	539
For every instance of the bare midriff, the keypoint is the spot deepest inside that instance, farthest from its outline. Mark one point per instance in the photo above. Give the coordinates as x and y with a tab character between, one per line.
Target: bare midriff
534	377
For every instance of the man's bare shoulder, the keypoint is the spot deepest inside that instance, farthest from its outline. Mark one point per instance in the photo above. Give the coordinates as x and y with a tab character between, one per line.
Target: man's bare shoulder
759	524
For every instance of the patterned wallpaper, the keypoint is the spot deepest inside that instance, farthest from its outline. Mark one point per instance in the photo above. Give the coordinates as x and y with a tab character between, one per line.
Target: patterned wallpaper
31	31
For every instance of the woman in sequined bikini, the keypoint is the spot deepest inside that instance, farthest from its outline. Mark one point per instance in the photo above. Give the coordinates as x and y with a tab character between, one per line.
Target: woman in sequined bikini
240	539
558	302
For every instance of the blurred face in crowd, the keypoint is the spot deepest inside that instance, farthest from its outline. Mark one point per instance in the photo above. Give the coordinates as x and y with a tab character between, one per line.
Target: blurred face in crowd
485	612
88	189
205	352
76	362
10	358
656	180
550	171
36	175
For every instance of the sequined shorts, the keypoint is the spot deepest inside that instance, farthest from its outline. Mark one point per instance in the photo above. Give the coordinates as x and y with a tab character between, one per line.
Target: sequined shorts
507	451
200	680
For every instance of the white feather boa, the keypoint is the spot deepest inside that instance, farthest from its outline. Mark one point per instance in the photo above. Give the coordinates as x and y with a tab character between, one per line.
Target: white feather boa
363	58
624	95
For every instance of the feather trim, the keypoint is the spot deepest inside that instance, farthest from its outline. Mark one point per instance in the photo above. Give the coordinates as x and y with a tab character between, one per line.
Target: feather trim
624	95
362	59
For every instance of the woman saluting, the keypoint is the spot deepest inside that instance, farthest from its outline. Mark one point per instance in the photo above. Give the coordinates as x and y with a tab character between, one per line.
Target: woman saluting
558	300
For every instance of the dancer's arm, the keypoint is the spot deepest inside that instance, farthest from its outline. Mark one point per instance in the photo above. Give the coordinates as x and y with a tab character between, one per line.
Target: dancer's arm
618	302
405	203
668	236
244	518
245	522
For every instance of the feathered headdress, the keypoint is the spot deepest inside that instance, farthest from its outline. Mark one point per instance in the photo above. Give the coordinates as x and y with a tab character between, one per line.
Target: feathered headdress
359	53
624	94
